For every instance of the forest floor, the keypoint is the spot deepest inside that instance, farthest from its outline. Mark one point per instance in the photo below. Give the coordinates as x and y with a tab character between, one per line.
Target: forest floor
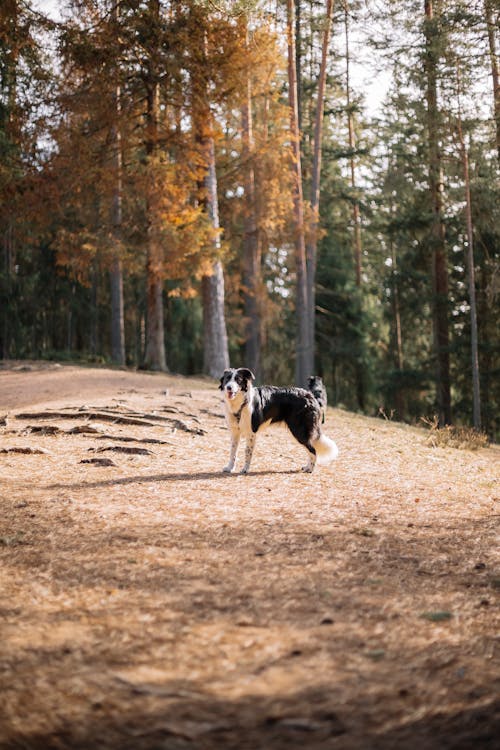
149	601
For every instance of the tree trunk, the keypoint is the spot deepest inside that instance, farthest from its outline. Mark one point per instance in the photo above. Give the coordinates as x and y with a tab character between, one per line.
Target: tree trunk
251	243
312	243
117	314
492	26
304	364
215	348
94	309
352	145
438	244
399	400
215	341
469	261
356	223
116	271
154	356
298	61
215	344
7	311
10	62
476	396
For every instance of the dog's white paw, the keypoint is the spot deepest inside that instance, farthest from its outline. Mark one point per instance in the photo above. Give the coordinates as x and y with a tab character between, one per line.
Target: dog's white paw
308	469
228	469
245	470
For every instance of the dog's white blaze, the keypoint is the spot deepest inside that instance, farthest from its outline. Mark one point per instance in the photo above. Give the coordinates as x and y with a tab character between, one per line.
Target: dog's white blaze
326	450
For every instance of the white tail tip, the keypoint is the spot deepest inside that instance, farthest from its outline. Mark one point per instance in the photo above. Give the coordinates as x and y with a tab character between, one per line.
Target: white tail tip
326	450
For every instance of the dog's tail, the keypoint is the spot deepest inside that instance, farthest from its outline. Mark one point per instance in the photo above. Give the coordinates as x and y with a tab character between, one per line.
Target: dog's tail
326	450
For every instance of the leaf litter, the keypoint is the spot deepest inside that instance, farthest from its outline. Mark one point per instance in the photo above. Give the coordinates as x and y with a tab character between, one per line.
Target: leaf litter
159	602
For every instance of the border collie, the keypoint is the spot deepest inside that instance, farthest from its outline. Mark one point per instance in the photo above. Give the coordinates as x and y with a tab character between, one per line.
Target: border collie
249	409
318	390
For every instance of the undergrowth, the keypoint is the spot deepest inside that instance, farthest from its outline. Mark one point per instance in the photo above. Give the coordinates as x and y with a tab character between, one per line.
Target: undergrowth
454	436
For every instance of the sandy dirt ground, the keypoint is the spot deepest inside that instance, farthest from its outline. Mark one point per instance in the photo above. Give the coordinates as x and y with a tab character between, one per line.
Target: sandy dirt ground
149	601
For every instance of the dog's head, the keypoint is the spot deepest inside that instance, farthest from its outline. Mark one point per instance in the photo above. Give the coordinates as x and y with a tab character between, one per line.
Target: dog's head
315	382
234	382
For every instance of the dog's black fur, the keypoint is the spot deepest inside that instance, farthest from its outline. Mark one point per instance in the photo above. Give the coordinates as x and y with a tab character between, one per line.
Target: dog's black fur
317	388
249	408
294	406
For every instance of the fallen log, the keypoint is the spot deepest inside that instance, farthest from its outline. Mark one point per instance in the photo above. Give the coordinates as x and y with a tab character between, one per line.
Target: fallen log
101	416
114	417
124	449
98	461
23	450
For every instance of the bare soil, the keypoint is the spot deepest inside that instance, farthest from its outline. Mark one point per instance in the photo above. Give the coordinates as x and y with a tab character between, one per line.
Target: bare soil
149	601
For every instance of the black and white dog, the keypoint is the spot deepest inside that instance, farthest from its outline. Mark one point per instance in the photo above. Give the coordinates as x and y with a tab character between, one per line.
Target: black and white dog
318	390
249	409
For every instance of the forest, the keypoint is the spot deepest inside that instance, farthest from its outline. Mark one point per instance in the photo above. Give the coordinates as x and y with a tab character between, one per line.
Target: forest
186	184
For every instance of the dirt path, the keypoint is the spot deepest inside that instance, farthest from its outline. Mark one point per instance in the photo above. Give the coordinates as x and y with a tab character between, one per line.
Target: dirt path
156	603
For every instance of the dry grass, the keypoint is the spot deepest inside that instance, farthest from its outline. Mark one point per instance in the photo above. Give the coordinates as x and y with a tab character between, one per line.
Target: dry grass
454	436
156	603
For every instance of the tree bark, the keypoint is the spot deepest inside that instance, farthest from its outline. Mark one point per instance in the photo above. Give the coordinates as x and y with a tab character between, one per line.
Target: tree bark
357	249
304	362
438	244
252	251
399	400
312	243
356	224
117	311
492	26
215	340
215	343
154	356
469	262
116	271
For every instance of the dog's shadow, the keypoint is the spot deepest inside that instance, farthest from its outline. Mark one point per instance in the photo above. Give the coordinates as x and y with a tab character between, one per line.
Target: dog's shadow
176	477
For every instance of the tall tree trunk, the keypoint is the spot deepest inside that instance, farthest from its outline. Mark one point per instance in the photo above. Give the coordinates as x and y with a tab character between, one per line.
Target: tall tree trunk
469	261
215	343
438	244
312	243
252	251
356	236
116	270
215	340
304	362
399	399
7	311
298	61
117	313
94	309
154	356
352	145
492	25
8	83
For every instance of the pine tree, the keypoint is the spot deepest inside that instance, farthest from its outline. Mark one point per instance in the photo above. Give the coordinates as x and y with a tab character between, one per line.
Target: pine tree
303	360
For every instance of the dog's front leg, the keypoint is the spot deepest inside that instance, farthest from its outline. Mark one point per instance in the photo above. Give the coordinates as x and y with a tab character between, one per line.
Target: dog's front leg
248	452
235	439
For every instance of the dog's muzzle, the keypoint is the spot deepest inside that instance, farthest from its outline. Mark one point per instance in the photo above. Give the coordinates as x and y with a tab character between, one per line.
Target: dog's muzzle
230	393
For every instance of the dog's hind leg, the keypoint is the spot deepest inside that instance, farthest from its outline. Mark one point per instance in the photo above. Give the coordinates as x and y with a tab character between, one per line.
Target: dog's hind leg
248	452
309	467
303	434
235	439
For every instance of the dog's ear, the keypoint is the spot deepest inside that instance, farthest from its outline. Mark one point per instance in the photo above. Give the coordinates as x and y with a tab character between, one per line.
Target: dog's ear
223	379
247	374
